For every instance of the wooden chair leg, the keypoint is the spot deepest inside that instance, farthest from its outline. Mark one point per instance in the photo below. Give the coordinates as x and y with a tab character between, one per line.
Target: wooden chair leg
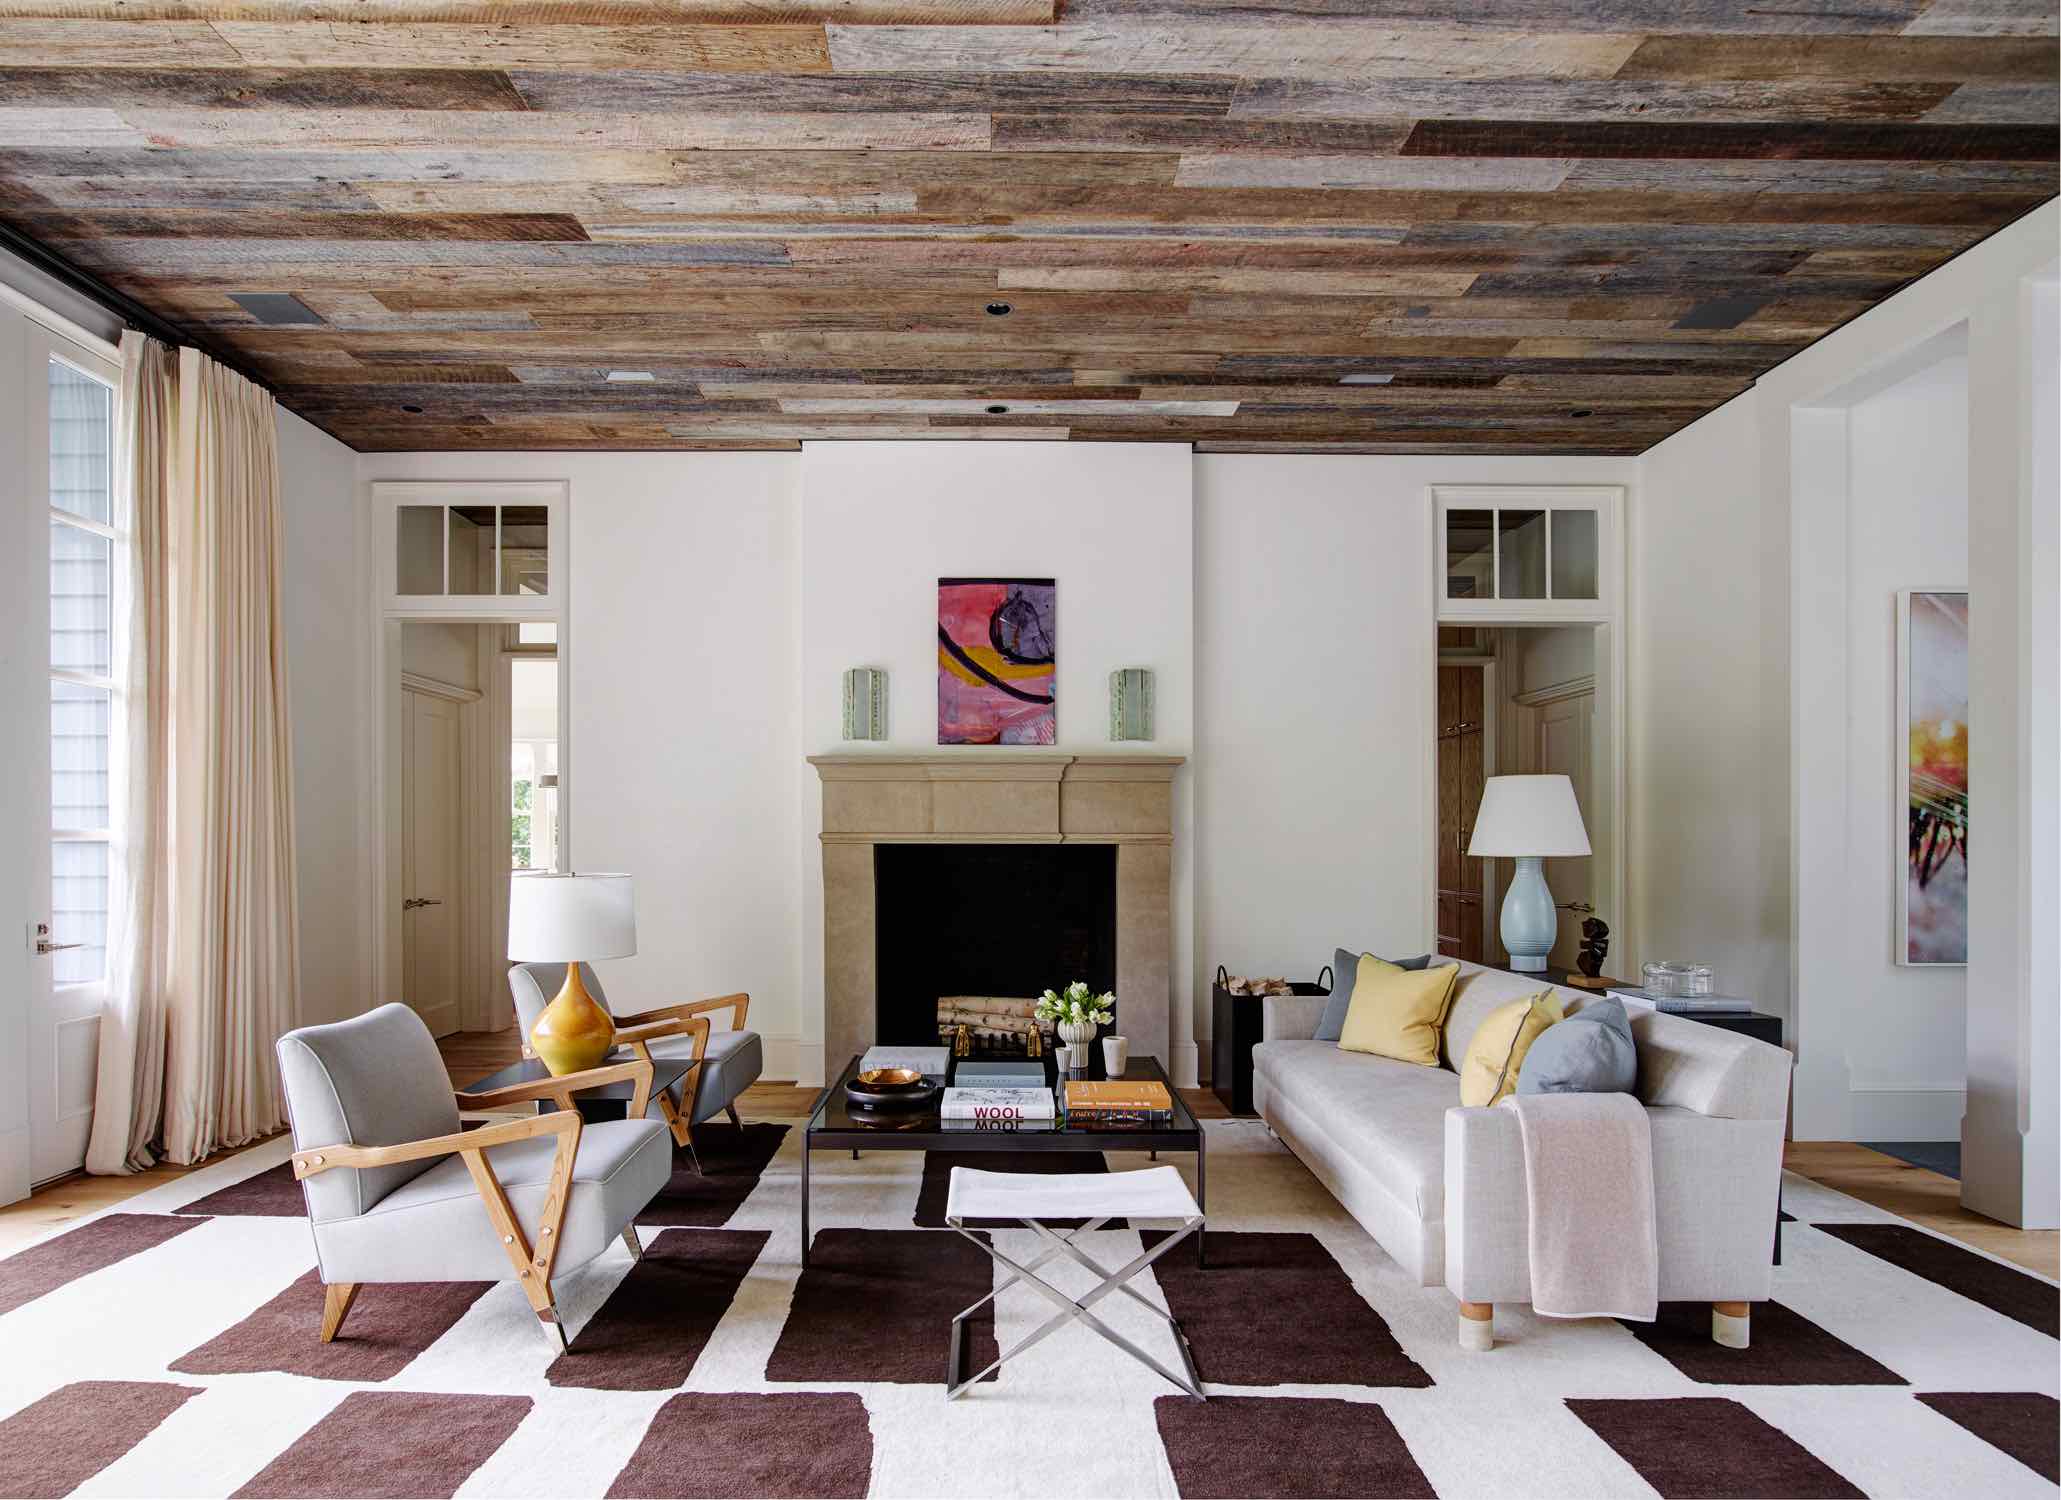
1477	1326
1731	1324
337	1298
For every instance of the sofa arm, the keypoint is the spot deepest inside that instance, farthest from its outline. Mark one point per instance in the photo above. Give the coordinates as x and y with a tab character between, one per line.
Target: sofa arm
1488	1217
1290	1018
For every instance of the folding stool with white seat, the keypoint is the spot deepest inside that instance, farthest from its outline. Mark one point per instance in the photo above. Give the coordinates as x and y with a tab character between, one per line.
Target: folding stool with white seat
1096	1198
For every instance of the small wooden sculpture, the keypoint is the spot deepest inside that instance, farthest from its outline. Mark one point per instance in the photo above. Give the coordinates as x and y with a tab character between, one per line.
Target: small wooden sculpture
1034	1041
1589	958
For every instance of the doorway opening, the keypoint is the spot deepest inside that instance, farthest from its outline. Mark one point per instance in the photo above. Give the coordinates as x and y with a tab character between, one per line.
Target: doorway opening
1515	700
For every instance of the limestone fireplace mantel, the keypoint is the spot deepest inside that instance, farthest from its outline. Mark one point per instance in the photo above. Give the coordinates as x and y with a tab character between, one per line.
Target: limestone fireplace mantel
999	797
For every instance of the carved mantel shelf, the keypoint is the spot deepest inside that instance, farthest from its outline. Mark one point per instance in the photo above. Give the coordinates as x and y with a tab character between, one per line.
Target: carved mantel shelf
998	797
1004	797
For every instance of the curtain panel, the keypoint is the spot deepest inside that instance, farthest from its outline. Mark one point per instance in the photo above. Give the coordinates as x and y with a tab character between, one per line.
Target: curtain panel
208	963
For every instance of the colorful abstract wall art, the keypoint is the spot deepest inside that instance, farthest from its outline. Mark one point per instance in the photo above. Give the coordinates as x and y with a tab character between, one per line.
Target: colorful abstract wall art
996	661
1932	701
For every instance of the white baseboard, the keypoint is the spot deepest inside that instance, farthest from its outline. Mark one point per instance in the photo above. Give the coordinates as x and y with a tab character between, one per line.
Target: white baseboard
792	1058
1918	1112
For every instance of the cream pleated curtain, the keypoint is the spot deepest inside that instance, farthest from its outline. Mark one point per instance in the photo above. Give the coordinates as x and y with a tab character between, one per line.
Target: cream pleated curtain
205	968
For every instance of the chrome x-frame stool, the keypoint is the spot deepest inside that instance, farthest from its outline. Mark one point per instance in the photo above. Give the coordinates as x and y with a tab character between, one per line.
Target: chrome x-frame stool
1032	1198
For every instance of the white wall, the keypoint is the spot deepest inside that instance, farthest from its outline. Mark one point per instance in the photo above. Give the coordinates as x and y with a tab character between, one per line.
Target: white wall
445	652
1112	523
1740	732
682	660
1315	679
323	609
1550	656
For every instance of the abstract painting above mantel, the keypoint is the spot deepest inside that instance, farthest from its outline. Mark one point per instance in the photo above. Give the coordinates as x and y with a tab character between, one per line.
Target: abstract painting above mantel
1932	717
997	678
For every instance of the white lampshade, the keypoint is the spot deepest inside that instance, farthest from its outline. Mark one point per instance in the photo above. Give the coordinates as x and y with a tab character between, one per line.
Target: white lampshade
564	919
1528	815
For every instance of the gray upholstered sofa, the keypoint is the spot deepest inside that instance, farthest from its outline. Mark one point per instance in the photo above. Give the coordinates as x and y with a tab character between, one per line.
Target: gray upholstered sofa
1442	1188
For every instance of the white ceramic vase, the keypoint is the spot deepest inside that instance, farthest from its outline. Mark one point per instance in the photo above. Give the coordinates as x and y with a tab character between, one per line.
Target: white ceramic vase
1079	1035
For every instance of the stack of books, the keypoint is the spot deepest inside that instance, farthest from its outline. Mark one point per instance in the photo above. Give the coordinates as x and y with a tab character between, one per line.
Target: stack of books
999	1073
997	1106
1118	1102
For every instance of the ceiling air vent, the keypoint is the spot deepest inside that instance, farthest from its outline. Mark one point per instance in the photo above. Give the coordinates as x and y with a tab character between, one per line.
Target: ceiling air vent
280	309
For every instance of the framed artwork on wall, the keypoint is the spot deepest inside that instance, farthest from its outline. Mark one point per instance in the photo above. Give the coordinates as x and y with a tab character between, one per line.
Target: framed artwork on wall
1932	810
997	673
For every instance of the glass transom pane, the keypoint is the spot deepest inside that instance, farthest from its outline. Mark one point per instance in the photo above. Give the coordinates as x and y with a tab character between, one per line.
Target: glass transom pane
1521	551
419	549
81	443
78	909
81	600
472	537
1574	554
79	722
525	542
1470	554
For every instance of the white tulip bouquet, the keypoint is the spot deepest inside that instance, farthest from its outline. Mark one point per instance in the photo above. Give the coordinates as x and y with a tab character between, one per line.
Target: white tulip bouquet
1077	1006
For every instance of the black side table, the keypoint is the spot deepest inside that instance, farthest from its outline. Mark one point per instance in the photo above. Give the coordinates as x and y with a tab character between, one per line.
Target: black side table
610	1101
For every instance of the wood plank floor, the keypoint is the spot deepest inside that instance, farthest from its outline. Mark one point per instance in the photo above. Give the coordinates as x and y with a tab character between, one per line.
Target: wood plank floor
1923	1197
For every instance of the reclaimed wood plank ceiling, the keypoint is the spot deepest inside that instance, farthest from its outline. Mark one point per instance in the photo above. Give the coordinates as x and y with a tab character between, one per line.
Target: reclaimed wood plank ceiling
1454	226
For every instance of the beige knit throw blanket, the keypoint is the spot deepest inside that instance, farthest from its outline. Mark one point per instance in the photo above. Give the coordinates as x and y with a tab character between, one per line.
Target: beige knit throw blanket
1588	1167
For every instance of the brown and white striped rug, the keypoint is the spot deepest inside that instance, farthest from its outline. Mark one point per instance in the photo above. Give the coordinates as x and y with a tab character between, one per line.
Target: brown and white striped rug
168	1349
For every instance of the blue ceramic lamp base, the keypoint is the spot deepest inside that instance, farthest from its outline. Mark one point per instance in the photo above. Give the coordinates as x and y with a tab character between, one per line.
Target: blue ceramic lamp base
1530	923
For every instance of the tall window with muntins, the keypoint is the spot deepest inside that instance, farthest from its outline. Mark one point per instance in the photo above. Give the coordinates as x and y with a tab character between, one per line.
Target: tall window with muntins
82	682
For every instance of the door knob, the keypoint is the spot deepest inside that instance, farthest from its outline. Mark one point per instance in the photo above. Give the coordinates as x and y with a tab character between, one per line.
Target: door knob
43	943
414	901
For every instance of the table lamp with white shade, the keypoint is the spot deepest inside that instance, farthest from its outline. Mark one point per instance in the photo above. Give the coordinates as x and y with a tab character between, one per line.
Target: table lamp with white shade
571	919
1529	819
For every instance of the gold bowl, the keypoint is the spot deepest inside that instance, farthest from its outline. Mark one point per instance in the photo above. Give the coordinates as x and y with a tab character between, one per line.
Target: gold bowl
888	1079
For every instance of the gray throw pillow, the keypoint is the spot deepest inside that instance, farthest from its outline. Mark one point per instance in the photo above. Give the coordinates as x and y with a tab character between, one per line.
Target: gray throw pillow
1590	1052
1345	968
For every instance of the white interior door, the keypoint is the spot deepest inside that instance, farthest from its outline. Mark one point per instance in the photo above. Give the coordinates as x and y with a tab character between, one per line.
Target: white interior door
70	527
429	860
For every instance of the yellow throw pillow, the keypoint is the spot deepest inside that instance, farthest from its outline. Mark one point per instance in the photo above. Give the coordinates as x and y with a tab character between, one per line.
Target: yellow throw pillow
1398	1013
1488	1073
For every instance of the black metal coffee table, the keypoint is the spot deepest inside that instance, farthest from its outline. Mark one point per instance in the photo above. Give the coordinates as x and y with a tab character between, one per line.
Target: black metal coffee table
835	1124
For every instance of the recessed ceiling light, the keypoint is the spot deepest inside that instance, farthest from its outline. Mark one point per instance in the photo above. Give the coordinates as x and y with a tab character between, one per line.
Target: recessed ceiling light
413	411
998	411
998	309
1583	411
1365	379
629	377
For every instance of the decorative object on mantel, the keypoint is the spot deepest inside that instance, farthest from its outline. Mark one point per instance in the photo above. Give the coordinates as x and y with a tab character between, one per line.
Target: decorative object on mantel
997	675
571	919
1528	819
865	704
1130	703
1077	1013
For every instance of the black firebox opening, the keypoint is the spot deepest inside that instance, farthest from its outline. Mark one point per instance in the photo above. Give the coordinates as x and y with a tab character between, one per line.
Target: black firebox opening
1009	920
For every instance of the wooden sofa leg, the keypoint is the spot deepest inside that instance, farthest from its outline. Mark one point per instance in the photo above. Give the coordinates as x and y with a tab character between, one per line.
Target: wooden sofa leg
1730	1323
337	1298
1477	1326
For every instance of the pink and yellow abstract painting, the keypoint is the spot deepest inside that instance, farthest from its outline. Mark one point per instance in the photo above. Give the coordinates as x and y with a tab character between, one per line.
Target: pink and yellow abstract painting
996	661
1934	925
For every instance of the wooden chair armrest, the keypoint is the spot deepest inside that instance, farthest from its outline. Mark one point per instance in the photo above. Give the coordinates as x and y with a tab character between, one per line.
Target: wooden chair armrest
634	1037
738	1005
323	1158
560	1090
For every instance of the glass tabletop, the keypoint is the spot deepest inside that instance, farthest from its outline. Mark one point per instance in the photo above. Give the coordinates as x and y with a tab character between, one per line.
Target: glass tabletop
836	1114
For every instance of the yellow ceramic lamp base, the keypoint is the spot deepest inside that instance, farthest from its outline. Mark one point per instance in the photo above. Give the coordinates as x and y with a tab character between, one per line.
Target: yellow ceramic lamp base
574	1033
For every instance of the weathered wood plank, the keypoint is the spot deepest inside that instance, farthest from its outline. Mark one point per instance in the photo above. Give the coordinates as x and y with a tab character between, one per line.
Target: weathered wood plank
755	13
893	93
1786	17
1900	59
70	128
1998	103
1088	130
257	88
1821	142
1336	50
29	43
1812	177
1306	283
1808	99
304	129
533	228
1986	18
1437	174
674	49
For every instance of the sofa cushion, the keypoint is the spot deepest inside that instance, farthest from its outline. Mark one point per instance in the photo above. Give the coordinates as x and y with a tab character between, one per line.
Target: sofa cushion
1398	1013
1489	1071
1480	991
1345	967
1388	1116
1590	1052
